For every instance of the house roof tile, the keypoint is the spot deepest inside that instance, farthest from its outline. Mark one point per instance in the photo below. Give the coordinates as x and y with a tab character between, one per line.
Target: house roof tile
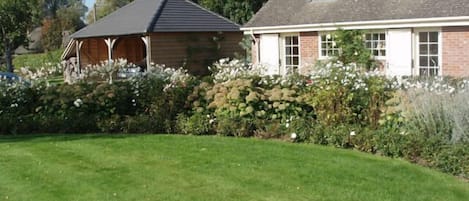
300	12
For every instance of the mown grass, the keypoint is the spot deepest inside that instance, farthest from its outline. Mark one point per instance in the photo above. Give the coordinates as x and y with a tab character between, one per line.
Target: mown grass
34	61
162	167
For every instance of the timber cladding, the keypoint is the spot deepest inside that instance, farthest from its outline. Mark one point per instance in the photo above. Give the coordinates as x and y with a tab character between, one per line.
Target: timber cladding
194	51
93	51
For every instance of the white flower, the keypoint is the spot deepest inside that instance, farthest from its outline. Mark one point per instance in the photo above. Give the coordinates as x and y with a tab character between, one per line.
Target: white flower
352	133
293	136
287	125
78	102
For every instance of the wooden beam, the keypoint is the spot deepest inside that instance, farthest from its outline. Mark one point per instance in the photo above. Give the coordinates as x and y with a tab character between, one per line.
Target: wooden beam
110	46
78	45
147	41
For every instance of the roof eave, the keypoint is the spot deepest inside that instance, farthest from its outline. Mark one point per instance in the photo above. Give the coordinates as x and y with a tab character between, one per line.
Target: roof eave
377	24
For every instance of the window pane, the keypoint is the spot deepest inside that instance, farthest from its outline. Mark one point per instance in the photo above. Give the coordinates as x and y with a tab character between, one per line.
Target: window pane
423	61
295	40
423	72
323	45
383	53
433	36
336	52
381	45
368	36
329	53
296	61
375	52
288	51
375	37
423	49
295	51
382	36
433	61
323	53
434	49
368	45
423	36
288	61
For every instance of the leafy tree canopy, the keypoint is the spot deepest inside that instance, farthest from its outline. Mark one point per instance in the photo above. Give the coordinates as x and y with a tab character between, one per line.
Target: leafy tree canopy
15	20
239	11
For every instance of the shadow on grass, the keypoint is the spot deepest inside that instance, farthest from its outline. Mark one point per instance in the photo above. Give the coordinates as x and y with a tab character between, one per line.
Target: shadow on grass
63	137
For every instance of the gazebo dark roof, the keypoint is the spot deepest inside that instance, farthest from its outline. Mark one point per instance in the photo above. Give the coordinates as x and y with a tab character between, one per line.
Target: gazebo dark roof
147	16
300	12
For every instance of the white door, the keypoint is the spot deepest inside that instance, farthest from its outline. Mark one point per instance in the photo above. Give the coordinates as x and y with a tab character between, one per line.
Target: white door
399	52
269	53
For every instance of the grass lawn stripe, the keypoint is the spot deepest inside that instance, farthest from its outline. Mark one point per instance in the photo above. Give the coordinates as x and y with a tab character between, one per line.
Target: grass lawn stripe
162	167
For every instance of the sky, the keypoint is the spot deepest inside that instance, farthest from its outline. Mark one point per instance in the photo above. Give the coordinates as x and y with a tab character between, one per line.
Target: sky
89	4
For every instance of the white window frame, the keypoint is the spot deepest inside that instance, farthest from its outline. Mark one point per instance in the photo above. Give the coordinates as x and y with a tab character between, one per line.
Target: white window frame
285	69
416	46
320	42
379	57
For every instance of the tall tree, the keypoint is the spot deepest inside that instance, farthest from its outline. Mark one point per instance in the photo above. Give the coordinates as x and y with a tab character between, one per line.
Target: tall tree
239	11
58	16
104	7
16	16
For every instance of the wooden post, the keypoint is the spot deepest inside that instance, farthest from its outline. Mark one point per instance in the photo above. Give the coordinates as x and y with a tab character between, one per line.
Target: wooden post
78	45
147	41
110	45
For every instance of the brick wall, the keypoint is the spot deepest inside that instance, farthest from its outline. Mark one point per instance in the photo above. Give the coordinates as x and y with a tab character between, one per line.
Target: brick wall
455	51
308	50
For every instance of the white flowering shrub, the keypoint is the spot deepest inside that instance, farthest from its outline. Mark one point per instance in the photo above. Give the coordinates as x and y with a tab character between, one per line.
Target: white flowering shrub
343	94
227	69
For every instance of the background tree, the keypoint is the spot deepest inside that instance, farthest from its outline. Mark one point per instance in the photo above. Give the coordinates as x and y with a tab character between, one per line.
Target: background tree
105	7
16	17
59	16
239	11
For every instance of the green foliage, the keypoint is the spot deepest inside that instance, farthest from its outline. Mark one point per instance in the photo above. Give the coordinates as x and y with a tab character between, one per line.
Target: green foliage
353	49
197	124
35	61
147	105
59	16
341	94
105	7
251	105
16	17
239	11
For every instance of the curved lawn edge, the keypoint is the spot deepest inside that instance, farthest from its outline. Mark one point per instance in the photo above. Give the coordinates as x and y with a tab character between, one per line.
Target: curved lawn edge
174	167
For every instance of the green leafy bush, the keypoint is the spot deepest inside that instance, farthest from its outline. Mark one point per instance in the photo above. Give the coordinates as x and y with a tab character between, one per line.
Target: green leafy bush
341	94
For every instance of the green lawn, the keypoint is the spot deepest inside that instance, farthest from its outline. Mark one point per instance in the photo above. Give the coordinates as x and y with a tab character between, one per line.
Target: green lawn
161	167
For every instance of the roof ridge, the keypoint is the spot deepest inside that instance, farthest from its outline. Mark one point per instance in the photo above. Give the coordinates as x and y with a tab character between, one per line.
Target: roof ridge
211	12
156	16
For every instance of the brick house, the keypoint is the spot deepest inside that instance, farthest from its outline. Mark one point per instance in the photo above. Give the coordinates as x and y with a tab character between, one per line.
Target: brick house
176	33
409	37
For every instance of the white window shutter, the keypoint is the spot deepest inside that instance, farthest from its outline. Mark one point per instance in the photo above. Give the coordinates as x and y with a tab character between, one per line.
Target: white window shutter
399	52
269	53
